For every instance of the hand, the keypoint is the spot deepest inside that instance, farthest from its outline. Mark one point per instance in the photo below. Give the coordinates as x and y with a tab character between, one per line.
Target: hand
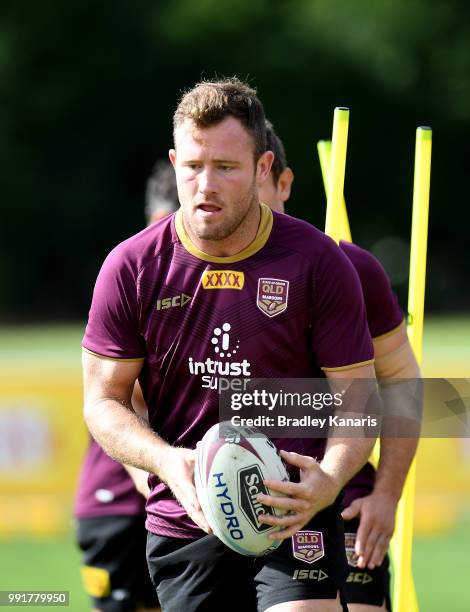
315	491
177	472
376	514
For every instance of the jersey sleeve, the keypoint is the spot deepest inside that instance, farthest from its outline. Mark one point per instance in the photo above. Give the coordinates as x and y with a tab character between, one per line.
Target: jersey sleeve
341	338
383	311
113	321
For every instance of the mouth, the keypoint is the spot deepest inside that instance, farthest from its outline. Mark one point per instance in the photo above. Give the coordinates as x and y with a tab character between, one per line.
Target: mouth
208	208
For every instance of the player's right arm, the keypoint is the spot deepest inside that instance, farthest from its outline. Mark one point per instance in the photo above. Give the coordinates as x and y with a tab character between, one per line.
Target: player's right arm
127	437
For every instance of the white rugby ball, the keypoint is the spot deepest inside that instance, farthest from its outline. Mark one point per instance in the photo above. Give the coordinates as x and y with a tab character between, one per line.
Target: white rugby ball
231	464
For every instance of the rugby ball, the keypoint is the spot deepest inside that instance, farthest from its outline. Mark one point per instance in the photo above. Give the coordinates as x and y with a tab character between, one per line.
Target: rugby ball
231	464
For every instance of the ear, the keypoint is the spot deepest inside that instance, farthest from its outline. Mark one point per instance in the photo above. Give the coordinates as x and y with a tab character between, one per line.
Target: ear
263	167
284	184
172	156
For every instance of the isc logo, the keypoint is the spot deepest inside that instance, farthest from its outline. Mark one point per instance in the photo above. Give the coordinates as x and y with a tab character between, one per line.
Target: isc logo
313	574
177	300
360	577
223	279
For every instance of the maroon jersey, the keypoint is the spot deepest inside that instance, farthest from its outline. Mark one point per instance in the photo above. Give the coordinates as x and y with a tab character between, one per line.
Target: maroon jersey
105	488
289	305
384	315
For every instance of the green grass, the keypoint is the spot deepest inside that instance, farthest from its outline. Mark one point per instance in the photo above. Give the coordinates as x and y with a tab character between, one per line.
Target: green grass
43	564
441	568
39	344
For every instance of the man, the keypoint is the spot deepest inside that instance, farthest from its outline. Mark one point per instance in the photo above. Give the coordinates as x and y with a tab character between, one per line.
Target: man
110	501
161	196
371	499
159	302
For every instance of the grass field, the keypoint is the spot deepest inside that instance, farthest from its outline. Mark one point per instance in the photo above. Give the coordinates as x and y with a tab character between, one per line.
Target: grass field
441	562
441	569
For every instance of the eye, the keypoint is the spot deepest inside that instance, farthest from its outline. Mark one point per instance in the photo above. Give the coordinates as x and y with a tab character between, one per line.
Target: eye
225	168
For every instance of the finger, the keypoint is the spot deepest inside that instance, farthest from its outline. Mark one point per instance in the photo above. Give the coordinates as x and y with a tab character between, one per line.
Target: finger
351	511
190	502
379	552
293	489
280	521
287	532
284	503
368	547
300	461
366	525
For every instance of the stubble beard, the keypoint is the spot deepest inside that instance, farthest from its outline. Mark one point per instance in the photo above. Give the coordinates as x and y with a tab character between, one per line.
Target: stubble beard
230	226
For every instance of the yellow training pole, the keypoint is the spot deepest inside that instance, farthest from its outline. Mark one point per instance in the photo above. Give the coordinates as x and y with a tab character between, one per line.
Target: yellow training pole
336	172
324	153
404	595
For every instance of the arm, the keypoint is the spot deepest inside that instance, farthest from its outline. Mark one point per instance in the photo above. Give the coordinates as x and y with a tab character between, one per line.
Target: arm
139	477
127	437
394	360
320	483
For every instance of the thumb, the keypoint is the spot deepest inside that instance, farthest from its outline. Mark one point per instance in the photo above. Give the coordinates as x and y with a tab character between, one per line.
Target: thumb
352	510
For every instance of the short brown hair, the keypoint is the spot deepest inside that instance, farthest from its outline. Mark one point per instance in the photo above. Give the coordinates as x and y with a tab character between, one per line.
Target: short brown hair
210	102
274	144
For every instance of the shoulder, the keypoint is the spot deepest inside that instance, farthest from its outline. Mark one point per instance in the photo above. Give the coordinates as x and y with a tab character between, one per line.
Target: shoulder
383	310
306	239
136	252
367	266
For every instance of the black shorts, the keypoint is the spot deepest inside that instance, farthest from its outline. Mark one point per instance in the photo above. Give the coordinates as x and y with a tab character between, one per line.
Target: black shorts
365	586
114	569
205	575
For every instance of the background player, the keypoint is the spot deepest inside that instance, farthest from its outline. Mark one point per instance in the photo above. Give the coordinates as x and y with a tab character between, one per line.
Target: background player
110	501
220	156
371	498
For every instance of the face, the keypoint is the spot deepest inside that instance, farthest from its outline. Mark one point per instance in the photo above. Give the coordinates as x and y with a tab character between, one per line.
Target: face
217	178
275	195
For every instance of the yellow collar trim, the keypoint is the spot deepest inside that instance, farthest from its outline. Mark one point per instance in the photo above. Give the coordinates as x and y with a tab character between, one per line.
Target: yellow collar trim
264	231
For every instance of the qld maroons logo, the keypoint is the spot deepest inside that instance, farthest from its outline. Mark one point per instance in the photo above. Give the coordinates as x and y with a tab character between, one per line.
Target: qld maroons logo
308	546
272	296
350	543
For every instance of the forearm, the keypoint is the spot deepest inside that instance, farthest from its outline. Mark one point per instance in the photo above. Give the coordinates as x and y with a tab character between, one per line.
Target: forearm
396	455
344	457
124	435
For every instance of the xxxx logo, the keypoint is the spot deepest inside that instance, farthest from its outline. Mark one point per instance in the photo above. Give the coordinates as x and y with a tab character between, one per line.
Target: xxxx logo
223	279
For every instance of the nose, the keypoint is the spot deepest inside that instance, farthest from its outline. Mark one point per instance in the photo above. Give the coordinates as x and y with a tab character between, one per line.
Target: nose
207	182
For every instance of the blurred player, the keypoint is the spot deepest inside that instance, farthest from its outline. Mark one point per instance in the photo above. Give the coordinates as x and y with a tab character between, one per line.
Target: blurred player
110	504
161	195
153	317
371	498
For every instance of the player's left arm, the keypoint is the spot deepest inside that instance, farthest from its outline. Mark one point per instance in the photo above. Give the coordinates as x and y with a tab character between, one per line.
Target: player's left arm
320	482
394	361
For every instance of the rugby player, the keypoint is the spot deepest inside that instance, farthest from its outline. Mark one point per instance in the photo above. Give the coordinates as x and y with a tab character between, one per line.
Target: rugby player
371	498
110	500
160	302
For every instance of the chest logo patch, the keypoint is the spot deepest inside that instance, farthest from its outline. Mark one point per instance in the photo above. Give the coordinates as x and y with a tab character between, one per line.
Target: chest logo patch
223	279
272	297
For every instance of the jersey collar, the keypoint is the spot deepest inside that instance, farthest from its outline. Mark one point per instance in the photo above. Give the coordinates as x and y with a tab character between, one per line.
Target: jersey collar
264	231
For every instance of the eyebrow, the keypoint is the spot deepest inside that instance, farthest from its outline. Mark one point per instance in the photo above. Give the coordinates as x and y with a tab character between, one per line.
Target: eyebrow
216	161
